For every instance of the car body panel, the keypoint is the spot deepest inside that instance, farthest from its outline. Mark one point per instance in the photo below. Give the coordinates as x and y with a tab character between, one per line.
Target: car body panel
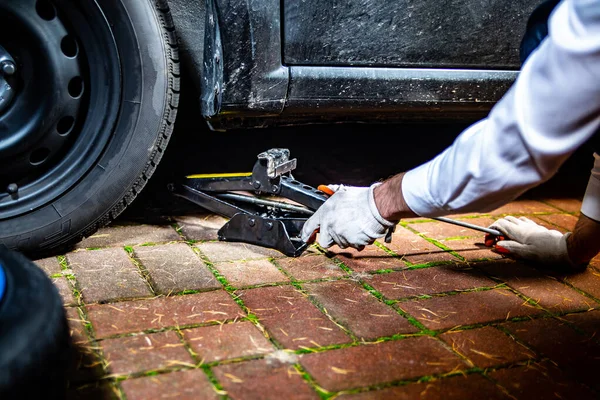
466	34
252	75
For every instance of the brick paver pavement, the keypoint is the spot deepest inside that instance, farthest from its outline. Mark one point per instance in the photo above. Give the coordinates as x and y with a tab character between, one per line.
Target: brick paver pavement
167	311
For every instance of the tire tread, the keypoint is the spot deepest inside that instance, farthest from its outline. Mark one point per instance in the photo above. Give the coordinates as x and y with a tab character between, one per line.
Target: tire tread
165	131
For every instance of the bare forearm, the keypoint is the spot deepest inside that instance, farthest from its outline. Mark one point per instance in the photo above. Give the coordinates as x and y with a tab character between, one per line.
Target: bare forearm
584	242
390	201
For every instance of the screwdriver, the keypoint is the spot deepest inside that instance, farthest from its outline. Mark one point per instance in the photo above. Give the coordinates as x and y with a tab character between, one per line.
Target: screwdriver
470	226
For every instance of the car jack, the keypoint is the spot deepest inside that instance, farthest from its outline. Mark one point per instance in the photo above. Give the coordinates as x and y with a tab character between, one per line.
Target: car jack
255	202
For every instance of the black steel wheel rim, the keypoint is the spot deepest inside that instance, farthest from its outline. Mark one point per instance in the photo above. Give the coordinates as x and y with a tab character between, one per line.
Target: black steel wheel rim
64	102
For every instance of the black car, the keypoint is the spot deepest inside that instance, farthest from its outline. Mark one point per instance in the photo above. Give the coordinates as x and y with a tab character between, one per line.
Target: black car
89	90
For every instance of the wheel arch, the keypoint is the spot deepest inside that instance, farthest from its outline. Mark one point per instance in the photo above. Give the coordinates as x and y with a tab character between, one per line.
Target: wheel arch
189	18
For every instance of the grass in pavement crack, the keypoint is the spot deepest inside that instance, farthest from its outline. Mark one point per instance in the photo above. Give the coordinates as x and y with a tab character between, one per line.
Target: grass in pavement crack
323	394
213	380
144	273
68	273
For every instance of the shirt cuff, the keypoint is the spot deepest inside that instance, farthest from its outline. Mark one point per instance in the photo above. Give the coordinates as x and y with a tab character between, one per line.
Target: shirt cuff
590	207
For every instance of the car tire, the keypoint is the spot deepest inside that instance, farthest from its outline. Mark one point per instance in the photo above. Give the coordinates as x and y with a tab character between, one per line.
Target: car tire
103	76
35	346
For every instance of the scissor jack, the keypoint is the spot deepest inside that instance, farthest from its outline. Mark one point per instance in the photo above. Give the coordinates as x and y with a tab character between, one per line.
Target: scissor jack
255	203
244	198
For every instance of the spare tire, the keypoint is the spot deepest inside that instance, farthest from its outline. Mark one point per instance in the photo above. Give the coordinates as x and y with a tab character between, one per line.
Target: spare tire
91	89
35	344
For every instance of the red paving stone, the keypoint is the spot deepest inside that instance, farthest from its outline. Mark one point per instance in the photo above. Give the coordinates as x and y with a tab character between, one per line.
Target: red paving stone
487	347
131	354
380	363
76	326
358	310
431	280
558	341
372	258
107	275
546	291
263	379
249	273
291	318
471	386
415	249
310	267
86	364
182	385
486	306
225	341
174	268
136	316
540	381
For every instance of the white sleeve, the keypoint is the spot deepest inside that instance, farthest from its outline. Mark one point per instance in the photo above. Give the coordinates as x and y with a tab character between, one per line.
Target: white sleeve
552	108
590	207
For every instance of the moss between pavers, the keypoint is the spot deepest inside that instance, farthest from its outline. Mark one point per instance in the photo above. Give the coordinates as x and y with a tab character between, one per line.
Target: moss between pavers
143	271
68	273
307	377
213	380
179	230
323	394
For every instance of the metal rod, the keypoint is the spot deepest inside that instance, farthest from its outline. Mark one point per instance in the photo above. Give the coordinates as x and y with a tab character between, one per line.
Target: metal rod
471	226
263	202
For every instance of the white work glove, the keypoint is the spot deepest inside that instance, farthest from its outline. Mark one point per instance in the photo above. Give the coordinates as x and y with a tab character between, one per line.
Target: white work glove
530	241
349	218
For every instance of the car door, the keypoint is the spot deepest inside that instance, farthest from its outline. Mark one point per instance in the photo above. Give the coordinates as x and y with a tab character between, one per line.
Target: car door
297	61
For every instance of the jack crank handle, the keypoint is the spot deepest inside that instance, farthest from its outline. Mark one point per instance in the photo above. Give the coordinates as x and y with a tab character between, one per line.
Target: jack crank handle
470	226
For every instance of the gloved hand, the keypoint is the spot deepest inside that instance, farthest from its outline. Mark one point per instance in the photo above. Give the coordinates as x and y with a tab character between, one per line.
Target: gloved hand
531	241
349	218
